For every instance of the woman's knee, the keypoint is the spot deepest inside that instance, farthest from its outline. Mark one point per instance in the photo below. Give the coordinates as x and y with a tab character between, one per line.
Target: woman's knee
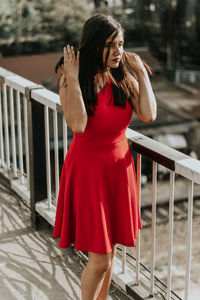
100	262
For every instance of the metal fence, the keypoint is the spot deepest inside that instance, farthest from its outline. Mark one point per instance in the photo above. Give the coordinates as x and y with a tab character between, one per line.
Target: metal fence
33	145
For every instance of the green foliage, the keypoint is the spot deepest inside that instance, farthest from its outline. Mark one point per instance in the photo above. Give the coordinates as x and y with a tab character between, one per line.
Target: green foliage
41	21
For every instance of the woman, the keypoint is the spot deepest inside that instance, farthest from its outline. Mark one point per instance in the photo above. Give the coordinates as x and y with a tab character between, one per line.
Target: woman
97	208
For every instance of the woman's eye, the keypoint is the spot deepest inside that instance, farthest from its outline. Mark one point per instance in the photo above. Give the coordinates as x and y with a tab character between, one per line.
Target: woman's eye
107	45
113	45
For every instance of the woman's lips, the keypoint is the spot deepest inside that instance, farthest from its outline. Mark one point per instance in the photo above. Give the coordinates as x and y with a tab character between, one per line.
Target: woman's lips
116	60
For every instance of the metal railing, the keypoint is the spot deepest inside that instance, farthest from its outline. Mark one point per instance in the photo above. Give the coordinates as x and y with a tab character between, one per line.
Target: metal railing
31	158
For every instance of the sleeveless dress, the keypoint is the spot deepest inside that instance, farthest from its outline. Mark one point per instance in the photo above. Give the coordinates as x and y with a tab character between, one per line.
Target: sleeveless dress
97	202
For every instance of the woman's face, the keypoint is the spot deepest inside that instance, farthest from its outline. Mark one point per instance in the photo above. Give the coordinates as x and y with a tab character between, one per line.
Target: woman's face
116	50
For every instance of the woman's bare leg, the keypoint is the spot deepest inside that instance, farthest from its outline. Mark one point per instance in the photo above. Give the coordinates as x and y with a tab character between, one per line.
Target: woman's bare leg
93	274
104	289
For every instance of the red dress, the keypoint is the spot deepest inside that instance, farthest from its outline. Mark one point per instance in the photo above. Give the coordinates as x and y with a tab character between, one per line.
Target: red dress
97	201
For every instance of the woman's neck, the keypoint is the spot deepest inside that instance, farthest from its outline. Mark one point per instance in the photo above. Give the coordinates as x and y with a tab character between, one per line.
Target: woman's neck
101	78
100	81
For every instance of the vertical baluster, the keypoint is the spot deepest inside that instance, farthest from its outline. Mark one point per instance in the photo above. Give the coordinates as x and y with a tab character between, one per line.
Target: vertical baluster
6	126
153	225
189	239
123	259
1	131
12	121
55	125
171	228
48	167
19	126
26	137
139	201
65	141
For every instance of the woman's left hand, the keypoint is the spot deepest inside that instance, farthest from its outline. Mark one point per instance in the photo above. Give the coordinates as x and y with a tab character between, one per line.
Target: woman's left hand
134	61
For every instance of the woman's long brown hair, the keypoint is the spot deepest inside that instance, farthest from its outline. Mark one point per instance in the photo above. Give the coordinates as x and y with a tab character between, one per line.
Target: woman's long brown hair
94	34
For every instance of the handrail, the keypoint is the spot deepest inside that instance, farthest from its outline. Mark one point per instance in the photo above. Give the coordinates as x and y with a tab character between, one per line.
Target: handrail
174	160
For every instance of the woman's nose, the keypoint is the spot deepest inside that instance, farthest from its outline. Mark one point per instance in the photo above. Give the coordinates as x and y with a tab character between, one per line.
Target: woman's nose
117	50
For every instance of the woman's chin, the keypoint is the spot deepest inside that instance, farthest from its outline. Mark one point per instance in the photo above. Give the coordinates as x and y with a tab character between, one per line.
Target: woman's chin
113	65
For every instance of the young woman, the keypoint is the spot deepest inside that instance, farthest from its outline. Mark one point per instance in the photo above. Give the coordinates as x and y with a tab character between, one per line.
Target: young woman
97	208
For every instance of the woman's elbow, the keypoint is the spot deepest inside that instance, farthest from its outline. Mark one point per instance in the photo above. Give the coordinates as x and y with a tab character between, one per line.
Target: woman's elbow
149	118
77	127
153	117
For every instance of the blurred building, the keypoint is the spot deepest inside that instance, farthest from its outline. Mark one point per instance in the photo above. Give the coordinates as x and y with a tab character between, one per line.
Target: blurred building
37	68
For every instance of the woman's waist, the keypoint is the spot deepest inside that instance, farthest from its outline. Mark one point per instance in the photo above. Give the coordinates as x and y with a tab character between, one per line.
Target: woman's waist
100	139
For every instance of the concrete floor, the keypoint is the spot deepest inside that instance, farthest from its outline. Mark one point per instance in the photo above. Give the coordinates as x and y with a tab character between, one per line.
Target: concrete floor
31	264
33	267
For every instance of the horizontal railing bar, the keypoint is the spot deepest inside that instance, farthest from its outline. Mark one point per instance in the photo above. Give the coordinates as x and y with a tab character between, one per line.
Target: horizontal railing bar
44	96
172	159
17	82
4	73
154	150
189	168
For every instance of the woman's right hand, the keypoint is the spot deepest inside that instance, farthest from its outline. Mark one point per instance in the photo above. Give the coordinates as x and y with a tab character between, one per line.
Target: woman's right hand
70	68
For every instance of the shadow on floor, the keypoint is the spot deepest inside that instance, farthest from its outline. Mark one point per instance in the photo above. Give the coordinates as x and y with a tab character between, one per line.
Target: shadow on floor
32	266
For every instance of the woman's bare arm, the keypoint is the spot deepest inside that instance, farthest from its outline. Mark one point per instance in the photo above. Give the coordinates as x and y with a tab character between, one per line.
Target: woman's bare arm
70	93
73	106
144	101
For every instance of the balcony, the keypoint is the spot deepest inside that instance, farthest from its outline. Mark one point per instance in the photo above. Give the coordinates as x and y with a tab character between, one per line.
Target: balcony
33	144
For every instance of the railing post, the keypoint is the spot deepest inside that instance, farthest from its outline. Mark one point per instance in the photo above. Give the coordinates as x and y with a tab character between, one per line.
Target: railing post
1	127
139	201
171	230
37	161
189	239
153	226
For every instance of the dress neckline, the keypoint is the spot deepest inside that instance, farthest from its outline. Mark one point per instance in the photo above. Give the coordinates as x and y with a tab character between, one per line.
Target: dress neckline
103	87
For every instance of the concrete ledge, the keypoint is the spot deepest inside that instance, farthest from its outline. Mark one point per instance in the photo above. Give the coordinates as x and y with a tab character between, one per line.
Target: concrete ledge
45	212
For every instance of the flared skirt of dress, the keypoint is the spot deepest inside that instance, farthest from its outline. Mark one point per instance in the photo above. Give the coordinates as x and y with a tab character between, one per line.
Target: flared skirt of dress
97	203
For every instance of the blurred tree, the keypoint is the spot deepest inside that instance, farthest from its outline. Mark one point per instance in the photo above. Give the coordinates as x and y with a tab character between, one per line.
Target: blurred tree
48	23
169	27
180	29
197	16
169	44
97	3
143	18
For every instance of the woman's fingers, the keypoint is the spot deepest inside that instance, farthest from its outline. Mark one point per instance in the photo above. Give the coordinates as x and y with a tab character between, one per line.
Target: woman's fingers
72	53
69	54
65	54
78	57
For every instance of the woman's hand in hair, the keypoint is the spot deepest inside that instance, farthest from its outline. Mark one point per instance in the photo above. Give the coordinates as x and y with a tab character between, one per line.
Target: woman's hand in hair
144	101
70	68
135	62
